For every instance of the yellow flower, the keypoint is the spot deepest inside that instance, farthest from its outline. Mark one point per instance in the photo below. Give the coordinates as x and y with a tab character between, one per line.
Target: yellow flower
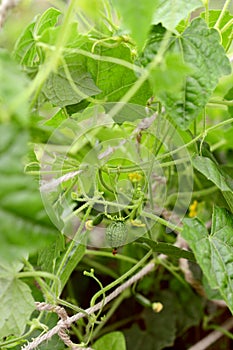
193	209
88	225
157	307
137	223
135	177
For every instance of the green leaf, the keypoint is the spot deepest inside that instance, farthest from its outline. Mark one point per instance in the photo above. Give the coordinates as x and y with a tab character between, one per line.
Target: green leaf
111	341
47	20
14	83
211	171
48	256
74	258
171	12
159	329
211	293
114	80
201	50
182	308
218	176
56	120
26	50
62	90
169	76
54	343
24	222
168	249
227	17
214	251
16	302
185	303
137	18
128	112
91	8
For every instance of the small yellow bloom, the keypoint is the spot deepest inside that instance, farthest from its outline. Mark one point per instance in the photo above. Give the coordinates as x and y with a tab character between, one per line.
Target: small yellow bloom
137	223
193	209
157	307
88	225
135	177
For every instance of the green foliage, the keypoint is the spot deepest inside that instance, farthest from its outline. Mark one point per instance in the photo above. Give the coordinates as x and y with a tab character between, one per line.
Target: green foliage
14	82
111	341
226	34
15	314
217	175
160	330
171	12
214	251
23	218
200	49
137	18
58	89
168	249
27	50
116	125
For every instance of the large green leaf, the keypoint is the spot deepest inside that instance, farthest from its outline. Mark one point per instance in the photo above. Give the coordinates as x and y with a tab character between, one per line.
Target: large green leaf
62	90
171	12
13	82
167	248
111	341
137	18
201	50
114	80
16	302
218	176
214	251
23	220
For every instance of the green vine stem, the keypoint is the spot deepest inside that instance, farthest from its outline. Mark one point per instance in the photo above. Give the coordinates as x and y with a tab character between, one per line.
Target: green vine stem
119	290
195	139
113	308
161	221
206	4
227	25
221	102
100	267
49	296
90	326
96	57
217	24
109	255
121	278
195	194
66	257
41	274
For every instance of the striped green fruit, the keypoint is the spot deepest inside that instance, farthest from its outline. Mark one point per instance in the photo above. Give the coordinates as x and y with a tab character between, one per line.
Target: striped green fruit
116	234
